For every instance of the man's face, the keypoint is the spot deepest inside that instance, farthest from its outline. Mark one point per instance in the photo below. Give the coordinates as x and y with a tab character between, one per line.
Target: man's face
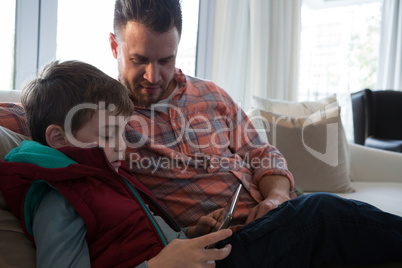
146	61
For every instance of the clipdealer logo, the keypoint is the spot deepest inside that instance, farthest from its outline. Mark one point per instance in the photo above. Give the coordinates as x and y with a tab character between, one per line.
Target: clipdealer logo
210	127
330	156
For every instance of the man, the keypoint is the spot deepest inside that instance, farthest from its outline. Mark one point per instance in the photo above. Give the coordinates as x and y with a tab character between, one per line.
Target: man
192	145
199	144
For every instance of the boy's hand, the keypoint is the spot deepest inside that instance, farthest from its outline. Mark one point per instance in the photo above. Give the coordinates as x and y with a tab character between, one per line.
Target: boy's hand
192	252
207	224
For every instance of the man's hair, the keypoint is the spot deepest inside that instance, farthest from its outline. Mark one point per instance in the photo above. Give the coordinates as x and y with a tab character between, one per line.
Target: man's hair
157	15
61	86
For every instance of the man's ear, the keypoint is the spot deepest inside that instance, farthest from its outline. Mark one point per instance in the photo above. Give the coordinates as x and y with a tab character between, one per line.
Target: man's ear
113	44
56	136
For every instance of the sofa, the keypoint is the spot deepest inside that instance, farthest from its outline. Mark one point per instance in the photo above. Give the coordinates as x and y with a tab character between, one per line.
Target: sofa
311	137
355	171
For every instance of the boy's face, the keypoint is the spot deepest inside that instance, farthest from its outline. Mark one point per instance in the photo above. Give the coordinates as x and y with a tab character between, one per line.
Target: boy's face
105	130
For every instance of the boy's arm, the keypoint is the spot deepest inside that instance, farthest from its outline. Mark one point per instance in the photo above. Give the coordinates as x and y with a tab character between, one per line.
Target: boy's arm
59	233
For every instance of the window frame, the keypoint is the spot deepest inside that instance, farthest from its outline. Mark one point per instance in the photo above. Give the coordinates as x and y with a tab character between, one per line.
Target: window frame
35	38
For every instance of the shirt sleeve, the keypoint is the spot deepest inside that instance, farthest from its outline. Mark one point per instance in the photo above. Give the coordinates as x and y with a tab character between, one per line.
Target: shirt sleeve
263	158
59	234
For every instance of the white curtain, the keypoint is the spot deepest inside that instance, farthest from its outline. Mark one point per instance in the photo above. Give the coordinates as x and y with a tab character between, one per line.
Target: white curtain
256	48
390	57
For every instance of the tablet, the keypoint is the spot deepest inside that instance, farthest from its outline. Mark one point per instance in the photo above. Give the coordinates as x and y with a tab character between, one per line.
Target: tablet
229	212
230	208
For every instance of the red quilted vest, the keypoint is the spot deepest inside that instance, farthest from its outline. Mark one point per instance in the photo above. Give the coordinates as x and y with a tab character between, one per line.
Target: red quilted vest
120	229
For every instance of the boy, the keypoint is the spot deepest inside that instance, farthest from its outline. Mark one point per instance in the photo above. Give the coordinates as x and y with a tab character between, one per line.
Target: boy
80	206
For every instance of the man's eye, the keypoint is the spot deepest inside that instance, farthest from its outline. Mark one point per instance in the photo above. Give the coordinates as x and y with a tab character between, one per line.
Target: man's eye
138	61
165	61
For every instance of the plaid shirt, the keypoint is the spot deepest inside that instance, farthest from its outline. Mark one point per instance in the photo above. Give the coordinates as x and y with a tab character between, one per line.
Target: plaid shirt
194	158
12	117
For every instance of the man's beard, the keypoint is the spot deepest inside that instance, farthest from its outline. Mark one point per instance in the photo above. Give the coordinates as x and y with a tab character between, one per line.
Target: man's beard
143	99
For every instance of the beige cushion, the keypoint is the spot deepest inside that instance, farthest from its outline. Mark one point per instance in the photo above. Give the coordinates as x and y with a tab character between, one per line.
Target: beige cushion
9	140
16	250
313	143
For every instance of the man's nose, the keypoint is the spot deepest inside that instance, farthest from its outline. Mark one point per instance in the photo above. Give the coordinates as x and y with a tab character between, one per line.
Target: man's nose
152	74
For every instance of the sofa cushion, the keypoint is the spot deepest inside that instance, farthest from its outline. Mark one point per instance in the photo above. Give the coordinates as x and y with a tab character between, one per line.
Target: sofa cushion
313	142
383	195
16	250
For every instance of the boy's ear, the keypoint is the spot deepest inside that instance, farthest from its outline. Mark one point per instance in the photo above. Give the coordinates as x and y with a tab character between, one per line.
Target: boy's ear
113	44
56	136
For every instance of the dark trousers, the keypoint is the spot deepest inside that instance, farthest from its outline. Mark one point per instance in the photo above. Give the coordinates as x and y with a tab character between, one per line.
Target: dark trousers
315	229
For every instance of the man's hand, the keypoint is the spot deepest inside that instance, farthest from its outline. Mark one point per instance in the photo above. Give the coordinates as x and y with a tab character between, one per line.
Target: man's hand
207	224
275	190
266	205
191	252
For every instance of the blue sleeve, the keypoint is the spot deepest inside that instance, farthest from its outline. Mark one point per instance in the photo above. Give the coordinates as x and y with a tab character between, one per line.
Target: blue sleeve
59	234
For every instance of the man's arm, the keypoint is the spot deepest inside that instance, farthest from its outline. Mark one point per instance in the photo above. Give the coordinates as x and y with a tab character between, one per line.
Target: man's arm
270	173
267	163
275	189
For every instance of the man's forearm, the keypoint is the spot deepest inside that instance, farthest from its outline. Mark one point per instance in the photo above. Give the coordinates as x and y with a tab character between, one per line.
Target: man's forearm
273	186
275	190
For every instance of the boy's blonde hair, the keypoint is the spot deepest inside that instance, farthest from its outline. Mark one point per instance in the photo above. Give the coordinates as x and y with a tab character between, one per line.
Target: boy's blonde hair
60	86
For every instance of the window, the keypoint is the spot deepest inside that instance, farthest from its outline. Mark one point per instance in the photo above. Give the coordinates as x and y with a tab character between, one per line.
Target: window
186	56
85	35
37	32
7	27
339	53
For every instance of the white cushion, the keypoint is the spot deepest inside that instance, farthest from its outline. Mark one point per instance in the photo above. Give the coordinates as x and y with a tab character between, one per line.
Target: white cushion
10	96
289	108
386	196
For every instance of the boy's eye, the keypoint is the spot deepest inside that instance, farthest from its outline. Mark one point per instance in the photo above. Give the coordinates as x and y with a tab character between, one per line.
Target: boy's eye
106	138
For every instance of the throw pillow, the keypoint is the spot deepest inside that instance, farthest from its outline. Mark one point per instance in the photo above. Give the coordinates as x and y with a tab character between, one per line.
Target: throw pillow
313	142
9	140
289	108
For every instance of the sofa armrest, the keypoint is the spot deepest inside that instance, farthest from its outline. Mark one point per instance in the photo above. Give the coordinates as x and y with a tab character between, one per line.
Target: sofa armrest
374	165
